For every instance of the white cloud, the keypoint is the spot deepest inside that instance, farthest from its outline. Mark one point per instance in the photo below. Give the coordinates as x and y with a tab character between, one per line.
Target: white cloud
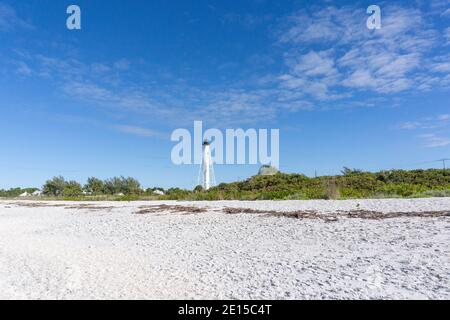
235	106
433	141
23	69
313	73
9	20
324	26
447	33
177	102
314	64
443	67
384	61
249	21
90	92
122	64
410	125
391	60
437	124
360	78
100	68
446	13
135	130
434	122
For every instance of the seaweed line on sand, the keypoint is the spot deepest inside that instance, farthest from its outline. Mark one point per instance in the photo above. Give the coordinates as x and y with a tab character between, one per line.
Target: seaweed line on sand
330	217
299	214
171	209
81	206
306	214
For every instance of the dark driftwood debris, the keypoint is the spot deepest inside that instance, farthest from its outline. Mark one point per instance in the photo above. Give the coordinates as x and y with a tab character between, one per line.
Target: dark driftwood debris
81	206
171	209
358	214
307	214
299	214
89	207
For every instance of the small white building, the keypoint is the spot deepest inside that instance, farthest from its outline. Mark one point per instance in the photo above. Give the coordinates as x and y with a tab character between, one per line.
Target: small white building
37	193
158	192
25	194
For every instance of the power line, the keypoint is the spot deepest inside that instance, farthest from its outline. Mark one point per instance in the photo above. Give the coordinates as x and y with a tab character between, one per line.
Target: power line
444	164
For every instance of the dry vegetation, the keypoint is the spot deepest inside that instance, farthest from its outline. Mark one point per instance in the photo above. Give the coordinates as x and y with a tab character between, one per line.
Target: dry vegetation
299	214
170	209
81	206
329	217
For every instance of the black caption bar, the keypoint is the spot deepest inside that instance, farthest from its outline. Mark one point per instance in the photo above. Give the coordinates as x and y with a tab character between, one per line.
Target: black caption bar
207	309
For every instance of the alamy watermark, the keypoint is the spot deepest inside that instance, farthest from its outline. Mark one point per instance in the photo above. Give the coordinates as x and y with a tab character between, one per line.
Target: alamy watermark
374	21
73	22
233	146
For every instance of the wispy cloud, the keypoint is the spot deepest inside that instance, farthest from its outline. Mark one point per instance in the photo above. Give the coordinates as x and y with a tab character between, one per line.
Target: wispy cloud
137	131
247	20
9	20
440	7
99	68
436	124
385	61
129	129
446	33
398	58
431	140
122	64
439	121
441	65
23	69
177	102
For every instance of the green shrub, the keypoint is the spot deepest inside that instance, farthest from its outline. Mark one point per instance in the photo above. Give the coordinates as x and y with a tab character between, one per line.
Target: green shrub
72	189
435	193
95	186
54	187
351	184
128	197
331	189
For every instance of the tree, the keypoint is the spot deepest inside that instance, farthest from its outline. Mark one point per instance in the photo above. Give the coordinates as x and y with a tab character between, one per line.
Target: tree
198	188
348	171
122	185
94	186
131	186
113	185
72	189
54	187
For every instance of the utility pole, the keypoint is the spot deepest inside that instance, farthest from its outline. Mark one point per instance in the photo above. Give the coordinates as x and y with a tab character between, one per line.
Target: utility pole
444	164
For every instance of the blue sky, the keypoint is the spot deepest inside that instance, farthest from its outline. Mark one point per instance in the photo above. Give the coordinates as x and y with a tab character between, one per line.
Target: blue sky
103	101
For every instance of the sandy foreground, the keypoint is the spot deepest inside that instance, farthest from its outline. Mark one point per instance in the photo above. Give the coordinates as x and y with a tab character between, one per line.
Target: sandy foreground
105	250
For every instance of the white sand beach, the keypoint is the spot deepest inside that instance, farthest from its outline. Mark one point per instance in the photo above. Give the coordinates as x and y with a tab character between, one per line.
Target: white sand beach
135	250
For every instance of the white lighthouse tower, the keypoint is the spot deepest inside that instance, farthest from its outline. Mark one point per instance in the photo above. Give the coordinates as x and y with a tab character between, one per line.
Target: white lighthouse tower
206	175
